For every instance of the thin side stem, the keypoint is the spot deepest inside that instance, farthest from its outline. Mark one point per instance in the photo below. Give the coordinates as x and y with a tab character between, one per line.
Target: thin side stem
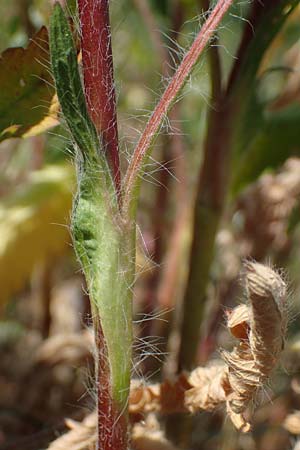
176	83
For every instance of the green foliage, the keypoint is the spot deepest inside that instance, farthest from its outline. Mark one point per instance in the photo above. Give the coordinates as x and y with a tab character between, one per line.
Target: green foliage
276	140
26	92
34	225
258	139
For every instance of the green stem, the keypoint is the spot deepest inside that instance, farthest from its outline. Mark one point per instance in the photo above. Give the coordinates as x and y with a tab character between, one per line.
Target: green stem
104	244
208	210
106	250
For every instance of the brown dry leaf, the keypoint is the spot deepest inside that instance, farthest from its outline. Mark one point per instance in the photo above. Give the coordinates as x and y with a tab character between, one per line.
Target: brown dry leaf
206	390
149	436
238	321
82	436
272	199
144	398
252	361
166	398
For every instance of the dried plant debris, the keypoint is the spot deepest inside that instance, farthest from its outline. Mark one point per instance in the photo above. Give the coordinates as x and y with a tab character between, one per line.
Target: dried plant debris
68	348
259	326
82	436
272	198
149	436
292	423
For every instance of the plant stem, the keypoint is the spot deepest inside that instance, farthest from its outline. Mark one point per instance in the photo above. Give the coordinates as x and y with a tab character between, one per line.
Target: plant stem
104	245
97	63
106	250
209	204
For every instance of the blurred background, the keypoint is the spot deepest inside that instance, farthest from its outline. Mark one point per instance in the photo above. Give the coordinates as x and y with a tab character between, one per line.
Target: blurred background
46	364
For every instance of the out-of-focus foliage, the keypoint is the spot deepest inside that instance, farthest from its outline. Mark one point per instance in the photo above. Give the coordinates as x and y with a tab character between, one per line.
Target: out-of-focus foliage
34	225
36	195
26	91
269	133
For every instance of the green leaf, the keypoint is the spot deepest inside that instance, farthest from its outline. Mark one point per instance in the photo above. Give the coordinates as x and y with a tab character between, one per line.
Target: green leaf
258	143
26	90
277	140
68	84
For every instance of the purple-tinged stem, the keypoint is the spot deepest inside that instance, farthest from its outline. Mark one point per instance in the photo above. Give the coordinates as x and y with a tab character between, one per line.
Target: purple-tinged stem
97	62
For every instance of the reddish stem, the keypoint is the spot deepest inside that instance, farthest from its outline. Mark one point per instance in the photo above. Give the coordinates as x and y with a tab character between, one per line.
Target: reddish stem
112	423
169	96
98	76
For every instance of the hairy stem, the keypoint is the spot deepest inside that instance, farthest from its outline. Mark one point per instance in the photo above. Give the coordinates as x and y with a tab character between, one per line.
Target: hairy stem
97	62
104	246
106	251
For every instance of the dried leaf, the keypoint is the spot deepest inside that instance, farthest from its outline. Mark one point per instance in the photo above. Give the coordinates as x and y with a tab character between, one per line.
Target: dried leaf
82	436
252	361
238	321
206	390
271	199
149	436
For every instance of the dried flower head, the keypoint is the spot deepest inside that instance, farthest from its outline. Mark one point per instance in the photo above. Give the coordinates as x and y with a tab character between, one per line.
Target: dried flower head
253	359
